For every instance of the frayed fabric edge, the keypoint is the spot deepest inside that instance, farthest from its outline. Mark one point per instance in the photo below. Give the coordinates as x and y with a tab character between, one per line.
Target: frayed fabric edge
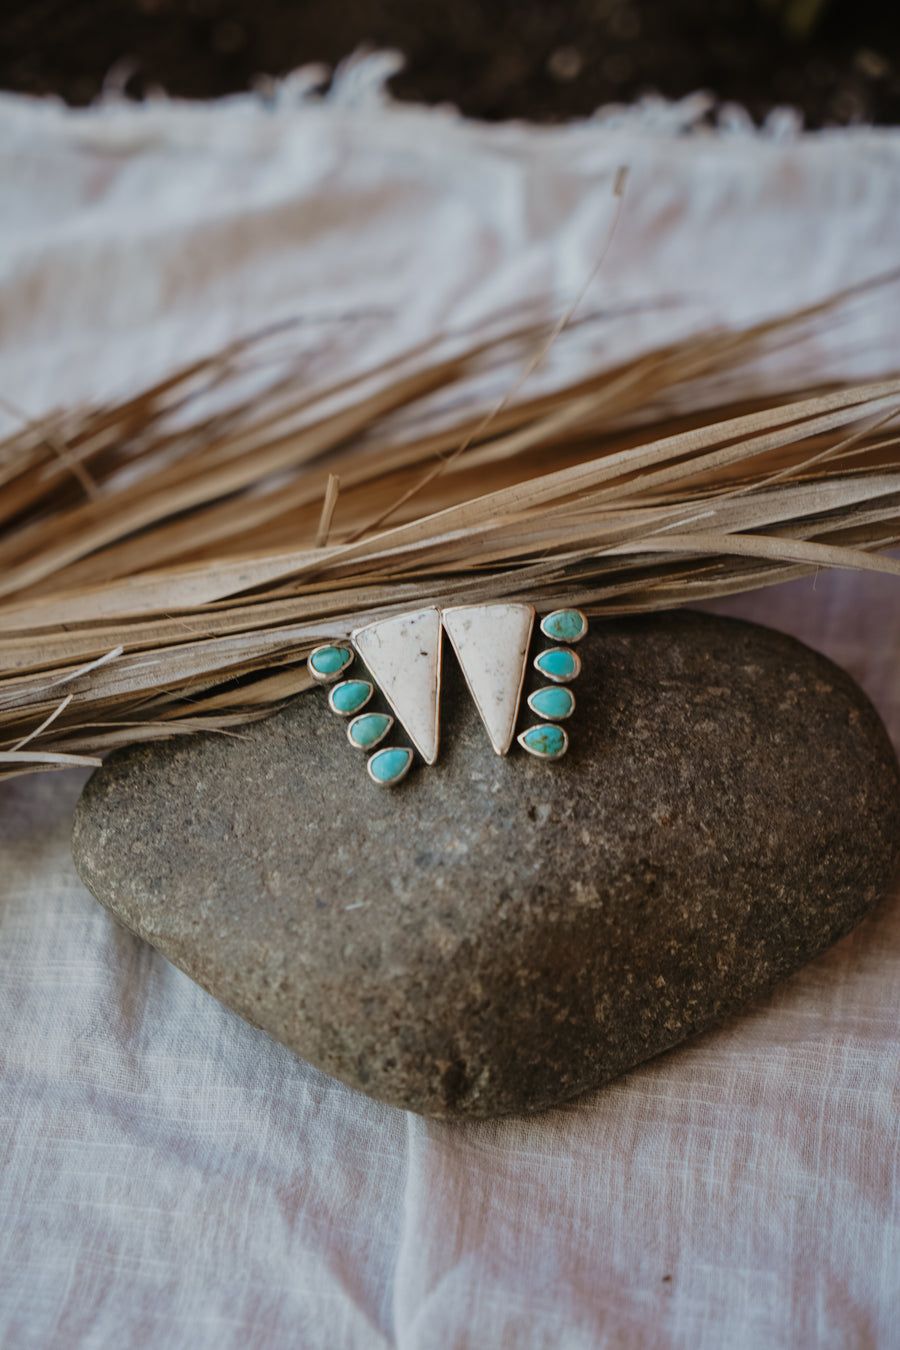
359	85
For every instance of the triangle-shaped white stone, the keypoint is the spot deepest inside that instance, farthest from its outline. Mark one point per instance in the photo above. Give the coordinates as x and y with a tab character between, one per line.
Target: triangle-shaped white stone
491	642
404	657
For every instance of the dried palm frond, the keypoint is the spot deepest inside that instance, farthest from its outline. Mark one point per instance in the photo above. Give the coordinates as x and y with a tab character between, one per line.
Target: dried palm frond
167	562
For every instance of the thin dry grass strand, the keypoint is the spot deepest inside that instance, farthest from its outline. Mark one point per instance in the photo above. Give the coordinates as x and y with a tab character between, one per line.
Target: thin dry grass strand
33	735
481	428
329	506
26	761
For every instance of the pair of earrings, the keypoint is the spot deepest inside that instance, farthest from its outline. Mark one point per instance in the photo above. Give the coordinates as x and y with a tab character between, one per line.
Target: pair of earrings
491	642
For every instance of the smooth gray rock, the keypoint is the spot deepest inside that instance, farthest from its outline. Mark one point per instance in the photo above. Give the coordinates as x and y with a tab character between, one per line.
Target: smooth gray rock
497	935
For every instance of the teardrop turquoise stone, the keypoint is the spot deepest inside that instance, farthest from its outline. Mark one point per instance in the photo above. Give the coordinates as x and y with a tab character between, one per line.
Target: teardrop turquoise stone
389	766
368	730
565	625
546	742
349	696
558	664
326	662
552	702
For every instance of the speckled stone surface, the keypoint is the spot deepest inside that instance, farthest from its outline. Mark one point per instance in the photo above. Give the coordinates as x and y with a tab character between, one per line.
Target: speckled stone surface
496	935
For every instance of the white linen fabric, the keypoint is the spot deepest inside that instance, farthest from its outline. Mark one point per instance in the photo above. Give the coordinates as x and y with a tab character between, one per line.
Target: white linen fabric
170	1177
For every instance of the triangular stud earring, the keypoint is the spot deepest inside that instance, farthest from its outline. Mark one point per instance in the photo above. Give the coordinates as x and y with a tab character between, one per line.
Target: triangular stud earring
403	655
491	643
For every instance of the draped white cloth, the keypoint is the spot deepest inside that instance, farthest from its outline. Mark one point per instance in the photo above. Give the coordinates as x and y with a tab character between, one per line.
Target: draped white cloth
170	1177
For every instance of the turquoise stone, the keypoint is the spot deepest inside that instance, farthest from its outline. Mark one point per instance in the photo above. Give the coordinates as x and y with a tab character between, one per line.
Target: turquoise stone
547	742
388	766
552	702
366	731
327	663
558	664
565	625
349	696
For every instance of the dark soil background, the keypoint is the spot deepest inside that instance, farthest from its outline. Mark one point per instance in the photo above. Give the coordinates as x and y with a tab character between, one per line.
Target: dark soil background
838	61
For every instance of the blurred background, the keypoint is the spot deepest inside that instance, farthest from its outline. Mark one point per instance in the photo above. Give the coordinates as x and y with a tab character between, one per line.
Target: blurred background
836	61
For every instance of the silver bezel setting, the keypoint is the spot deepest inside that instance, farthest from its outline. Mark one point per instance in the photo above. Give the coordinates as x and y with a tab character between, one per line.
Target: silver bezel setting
372	744
390	782
558	679
566	609
544	716
537	754
332	677
356	711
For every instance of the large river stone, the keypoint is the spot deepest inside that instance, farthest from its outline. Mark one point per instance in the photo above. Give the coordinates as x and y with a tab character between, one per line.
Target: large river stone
496	935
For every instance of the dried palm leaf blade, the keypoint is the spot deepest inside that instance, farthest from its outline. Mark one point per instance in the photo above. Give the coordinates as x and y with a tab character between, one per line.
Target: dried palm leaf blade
168	562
